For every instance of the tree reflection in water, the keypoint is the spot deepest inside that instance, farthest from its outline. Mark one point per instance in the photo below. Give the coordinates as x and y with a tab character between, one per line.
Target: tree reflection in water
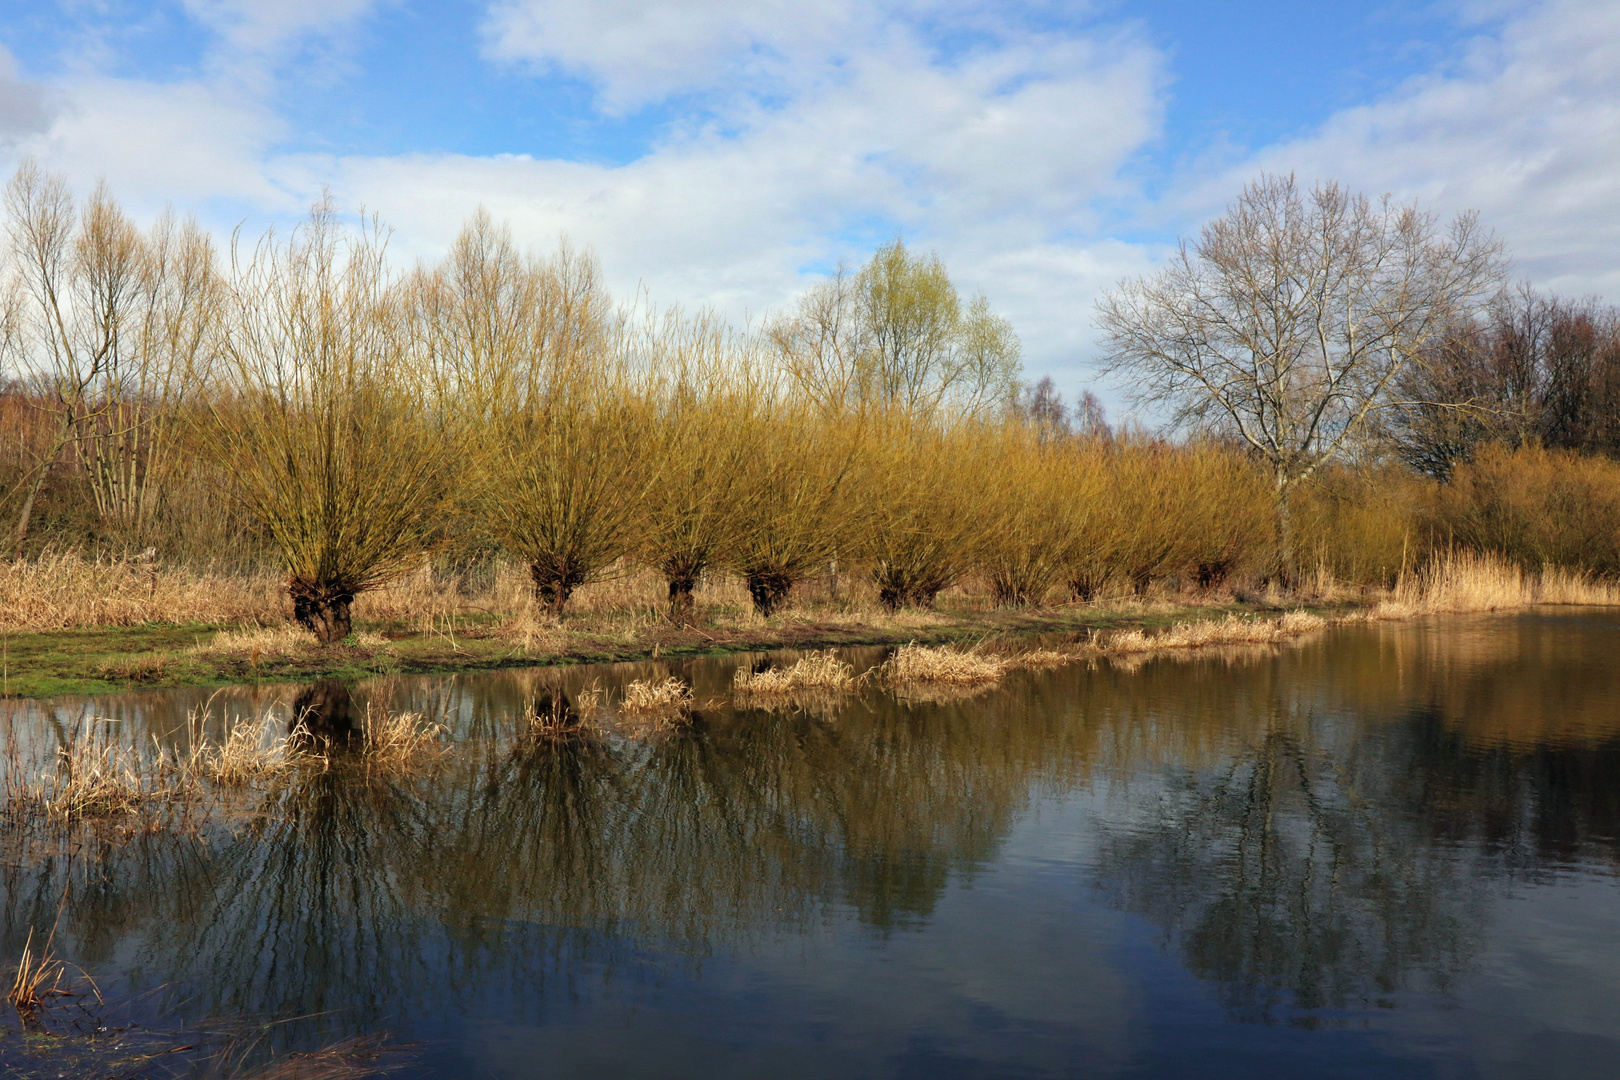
1313	830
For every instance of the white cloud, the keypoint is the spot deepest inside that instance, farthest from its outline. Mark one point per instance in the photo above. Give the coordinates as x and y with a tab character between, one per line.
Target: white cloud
156	144
986	160
24	108
1526	130
257	27
638	52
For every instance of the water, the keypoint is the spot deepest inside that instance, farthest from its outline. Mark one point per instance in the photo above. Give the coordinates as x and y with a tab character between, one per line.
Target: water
1388	852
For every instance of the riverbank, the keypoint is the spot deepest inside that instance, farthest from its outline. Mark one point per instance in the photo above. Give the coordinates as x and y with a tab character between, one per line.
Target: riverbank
112	658
95	628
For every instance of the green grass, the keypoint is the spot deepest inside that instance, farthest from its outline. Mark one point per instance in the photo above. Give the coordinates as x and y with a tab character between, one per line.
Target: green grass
115	659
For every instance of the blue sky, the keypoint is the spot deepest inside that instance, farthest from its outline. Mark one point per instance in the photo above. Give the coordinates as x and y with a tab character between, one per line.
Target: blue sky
726	153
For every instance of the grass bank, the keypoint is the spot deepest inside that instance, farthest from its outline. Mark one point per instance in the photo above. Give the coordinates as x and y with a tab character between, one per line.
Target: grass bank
436	626
114	658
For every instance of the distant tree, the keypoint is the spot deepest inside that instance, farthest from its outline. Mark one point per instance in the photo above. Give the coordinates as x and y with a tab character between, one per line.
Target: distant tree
1042	407
897	333
1290	320
1090	418
1534	369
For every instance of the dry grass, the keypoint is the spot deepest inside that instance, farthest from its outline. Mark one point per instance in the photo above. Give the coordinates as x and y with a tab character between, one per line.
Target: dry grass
58	591
942	664
821	671
252	752
663	703
38	979
1464	582
1043	658
96	779
401	742
1231	630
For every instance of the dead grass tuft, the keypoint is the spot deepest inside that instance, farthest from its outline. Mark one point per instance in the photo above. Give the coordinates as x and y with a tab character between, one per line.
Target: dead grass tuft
96	780
402	741
820	671
943	664
1043	658
1231	630
38	979
252	752
666	703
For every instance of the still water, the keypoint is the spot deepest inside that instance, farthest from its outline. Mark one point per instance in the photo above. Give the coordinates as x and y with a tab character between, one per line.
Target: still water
1388	852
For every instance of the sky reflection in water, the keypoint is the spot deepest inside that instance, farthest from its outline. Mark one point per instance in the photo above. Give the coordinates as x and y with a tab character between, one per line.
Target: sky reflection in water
1386	853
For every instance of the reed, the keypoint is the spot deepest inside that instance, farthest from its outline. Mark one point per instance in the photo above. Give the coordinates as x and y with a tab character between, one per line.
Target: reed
666	702
60	590
915	664
401	742
38	979
821	670
1232	630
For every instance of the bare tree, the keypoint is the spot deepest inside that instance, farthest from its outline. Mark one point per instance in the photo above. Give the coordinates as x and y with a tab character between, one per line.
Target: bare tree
106	325
1536	369
1290	319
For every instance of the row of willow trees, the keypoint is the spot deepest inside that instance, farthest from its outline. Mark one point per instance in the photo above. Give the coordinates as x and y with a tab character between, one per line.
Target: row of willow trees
365	417
361	418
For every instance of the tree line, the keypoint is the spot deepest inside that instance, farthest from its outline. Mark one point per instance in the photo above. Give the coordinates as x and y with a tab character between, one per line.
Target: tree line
304	396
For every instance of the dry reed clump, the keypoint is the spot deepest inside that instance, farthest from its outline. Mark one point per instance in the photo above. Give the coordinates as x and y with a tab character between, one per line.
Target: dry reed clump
943	664
252	752
401	741
667	702
821	670
60	590
1465	581
38	979
97	780
1231	630
260	643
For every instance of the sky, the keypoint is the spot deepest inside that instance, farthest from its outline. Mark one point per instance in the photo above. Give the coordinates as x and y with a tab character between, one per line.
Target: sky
730	153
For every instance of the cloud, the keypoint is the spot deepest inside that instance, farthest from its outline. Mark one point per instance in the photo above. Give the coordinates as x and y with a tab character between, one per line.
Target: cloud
1525	129
183	143
987	159
24	107
638	52
260	27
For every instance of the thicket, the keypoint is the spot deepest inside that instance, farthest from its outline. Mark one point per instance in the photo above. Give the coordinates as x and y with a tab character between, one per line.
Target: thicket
298	403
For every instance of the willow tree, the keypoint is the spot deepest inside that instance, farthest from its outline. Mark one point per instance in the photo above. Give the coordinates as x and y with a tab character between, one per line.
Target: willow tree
331	432
898	334
794	500
1043	504
705	396
1289	321
922	512
559	424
